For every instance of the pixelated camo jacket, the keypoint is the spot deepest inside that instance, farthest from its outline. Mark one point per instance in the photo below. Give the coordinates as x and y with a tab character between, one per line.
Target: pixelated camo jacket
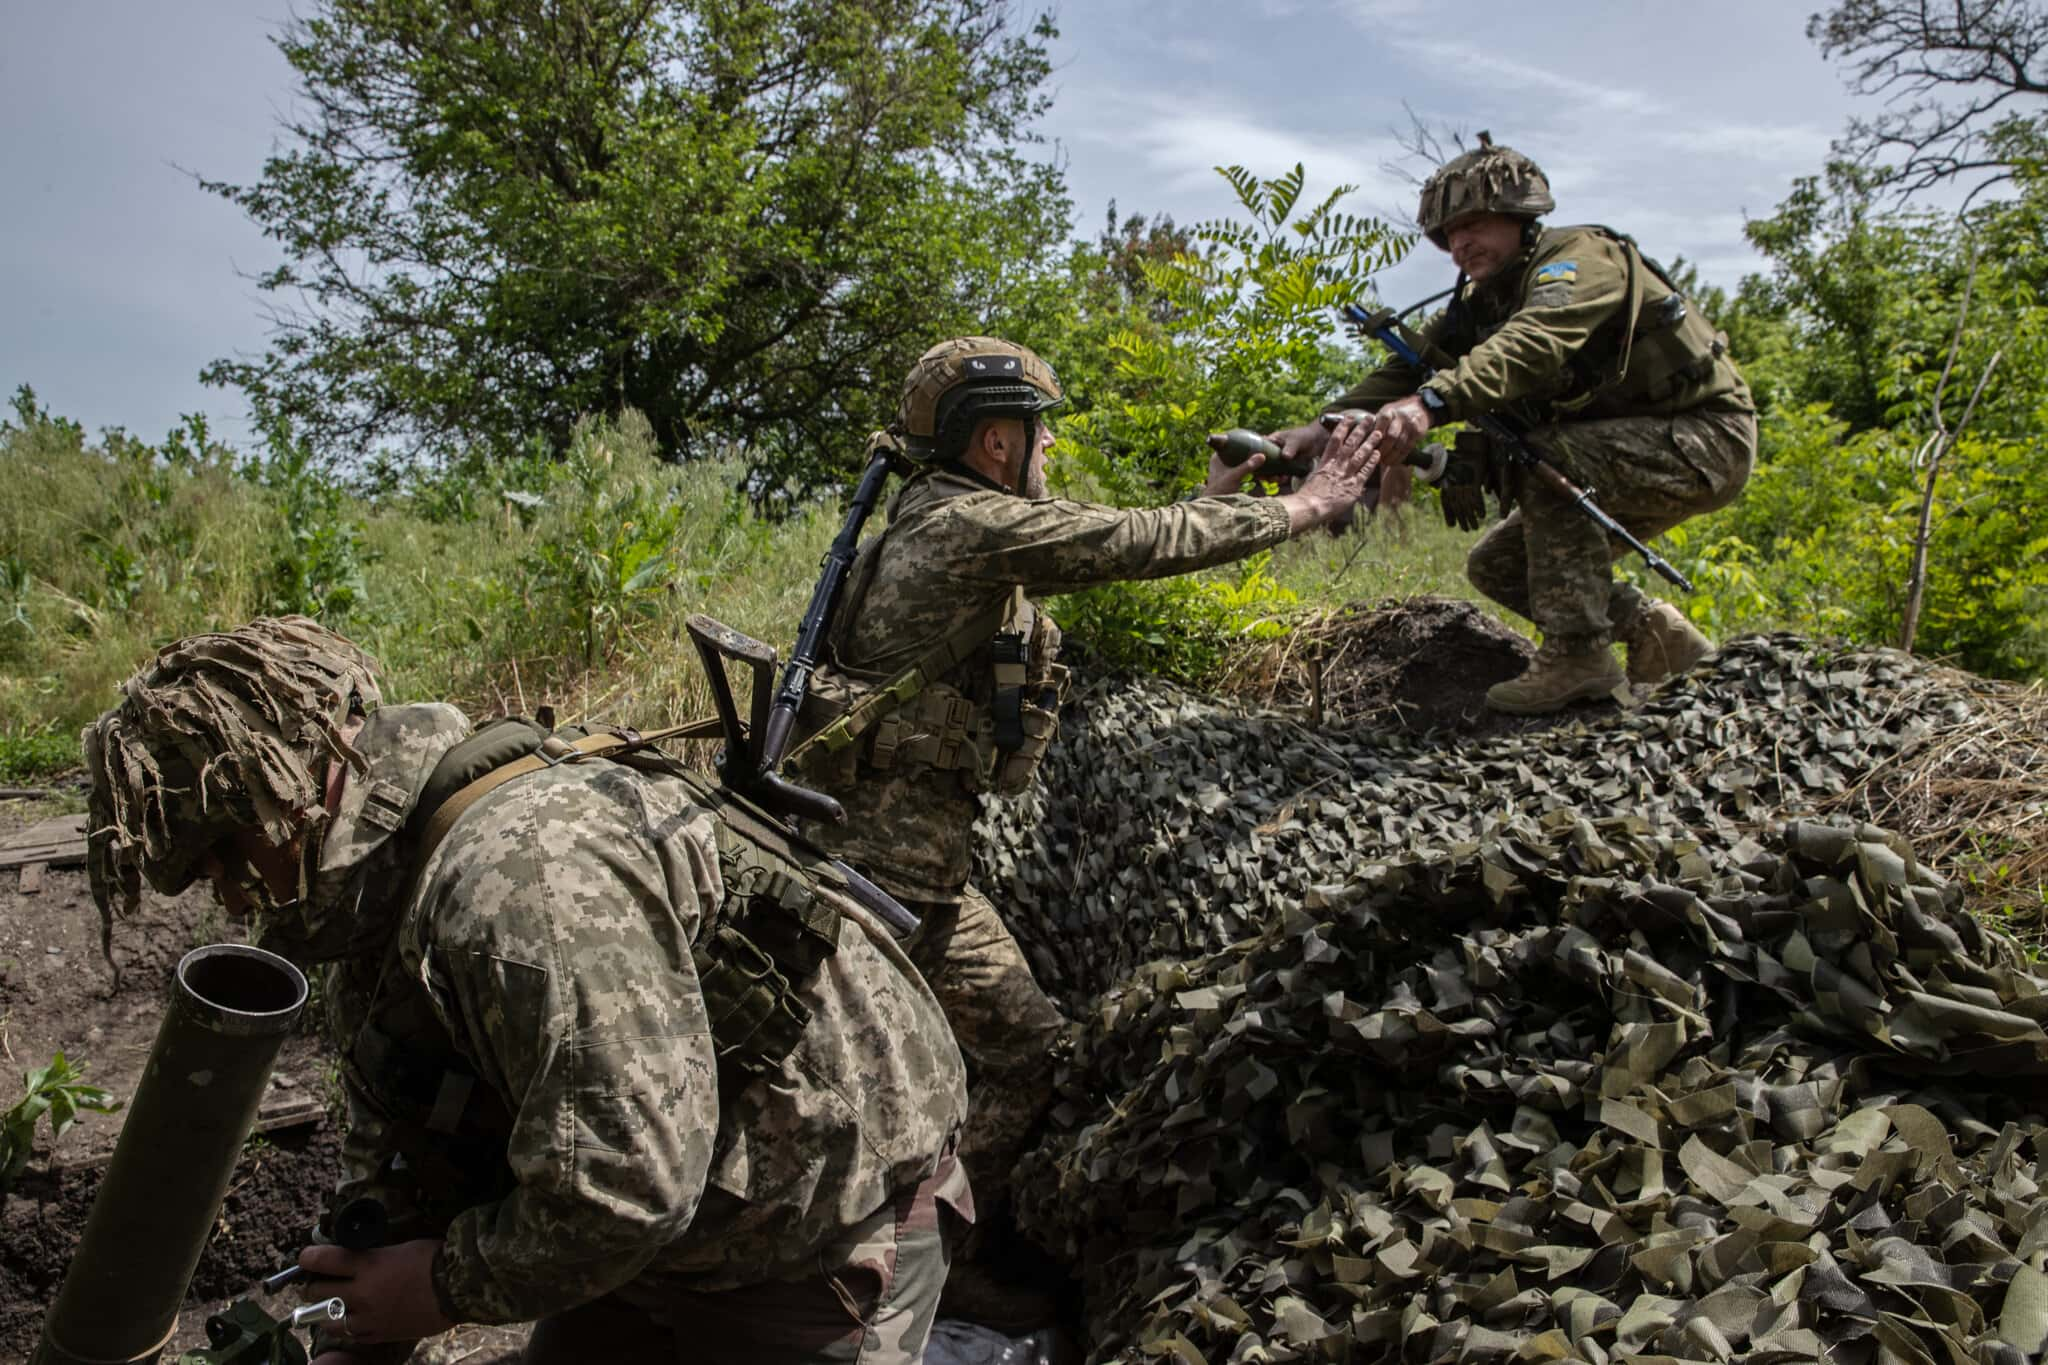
552	932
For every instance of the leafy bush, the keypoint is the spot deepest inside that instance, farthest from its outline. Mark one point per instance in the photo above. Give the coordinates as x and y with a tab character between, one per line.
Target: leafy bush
607	554
37	753
317	569
1823	536
57	1091
1183	628
1234	331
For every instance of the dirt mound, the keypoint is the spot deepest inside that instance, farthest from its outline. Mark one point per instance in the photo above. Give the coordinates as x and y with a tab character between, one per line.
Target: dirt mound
1417	663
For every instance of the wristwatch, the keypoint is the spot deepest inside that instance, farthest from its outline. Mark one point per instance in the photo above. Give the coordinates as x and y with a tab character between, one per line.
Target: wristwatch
1434	402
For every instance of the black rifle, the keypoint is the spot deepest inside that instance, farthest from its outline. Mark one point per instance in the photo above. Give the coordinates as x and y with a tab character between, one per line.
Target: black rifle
754	751
1385	326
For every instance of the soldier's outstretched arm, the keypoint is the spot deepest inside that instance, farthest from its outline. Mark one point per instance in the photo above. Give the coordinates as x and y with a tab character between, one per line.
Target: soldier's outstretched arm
1053	545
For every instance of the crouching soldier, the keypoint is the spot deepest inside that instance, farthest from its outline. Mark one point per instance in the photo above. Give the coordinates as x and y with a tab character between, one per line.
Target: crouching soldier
622	1056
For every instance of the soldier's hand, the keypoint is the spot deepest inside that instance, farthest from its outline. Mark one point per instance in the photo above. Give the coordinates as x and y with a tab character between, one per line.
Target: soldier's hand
1306	441
1339	480
1225	479
1462	493
1399	427
389	1292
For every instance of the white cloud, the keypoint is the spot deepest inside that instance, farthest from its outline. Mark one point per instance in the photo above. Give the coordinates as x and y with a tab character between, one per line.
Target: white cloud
1182	139
1469	66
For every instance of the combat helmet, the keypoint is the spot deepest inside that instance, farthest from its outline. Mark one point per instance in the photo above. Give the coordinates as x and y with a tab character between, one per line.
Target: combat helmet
960	382
219	733
1488	179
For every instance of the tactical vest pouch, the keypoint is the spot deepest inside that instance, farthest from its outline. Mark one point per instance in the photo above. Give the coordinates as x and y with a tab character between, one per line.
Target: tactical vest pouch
756	1018
1039	722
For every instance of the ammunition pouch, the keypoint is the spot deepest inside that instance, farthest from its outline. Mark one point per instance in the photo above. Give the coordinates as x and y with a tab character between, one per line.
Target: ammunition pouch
774	932
909	722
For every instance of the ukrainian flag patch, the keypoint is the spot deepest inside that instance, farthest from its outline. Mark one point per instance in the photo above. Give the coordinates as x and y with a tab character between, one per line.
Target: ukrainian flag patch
1558	272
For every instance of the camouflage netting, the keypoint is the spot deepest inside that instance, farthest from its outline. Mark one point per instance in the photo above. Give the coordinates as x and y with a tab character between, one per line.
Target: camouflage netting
1166	824
1559	1046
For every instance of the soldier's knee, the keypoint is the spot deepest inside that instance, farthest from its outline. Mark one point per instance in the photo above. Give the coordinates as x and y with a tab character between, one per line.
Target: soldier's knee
1494	573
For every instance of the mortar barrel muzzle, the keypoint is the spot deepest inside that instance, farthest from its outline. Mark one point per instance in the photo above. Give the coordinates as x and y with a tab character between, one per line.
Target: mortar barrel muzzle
230	1009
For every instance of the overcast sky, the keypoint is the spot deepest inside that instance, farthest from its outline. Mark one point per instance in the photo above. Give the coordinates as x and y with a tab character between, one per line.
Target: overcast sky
1669	119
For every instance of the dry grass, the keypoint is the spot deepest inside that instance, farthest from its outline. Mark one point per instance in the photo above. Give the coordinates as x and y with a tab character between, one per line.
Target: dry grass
1973	797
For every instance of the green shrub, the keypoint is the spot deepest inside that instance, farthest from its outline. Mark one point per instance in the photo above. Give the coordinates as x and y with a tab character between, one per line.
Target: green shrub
55	1090
1183	628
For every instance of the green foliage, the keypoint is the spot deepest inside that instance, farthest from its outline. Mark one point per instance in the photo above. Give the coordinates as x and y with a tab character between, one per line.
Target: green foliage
318	568
730	215
54	1090
37	753
609	559
1233	330
1184	628
1822	538
1845	342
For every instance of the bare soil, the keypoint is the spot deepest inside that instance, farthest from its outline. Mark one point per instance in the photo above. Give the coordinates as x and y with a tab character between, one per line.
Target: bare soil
1417	664
57	994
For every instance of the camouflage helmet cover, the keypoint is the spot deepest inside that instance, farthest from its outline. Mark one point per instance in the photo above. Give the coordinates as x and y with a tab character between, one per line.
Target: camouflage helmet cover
219	733
960	381
1488	179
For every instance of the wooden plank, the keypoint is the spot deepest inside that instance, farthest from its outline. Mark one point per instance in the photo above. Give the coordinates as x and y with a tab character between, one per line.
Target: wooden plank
62	830
32	878
67	854
24	793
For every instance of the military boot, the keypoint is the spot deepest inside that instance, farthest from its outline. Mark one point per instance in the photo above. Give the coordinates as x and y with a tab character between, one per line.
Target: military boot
1564	671
1662	642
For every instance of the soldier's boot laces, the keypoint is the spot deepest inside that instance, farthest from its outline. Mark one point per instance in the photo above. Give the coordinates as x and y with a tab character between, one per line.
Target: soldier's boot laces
1560	675
1662	642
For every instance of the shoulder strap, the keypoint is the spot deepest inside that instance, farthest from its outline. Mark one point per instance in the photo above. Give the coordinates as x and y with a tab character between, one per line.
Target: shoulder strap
554	749
941	659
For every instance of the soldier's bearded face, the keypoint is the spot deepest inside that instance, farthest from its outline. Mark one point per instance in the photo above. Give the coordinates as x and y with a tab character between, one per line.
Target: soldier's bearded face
1040	437
1481	243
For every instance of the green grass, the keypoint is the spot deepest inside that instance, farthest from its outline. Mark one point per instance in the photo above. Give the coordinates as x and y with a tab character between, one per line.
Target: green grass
37	754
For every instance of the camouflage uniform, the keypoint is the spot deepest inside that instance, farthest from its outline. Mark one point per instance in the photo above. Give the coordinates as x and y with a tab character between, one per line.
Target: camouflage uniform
1591	349
955	548
530	1071
1538	341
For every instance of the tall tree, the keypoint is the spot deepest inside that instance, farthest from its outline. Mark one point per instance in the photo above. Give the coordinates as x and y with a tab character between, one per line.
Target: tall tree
1963	81
742	217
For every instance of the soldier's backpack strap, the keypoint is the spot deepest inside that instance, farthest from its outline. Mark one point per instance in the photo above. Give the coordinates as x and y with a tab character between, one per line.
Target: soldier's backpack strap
509	747
757	949
936	662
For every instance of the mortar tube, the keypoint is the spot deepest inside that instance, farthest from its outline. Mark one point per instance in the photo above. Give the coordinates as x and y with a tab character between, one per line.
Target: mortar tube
230	1008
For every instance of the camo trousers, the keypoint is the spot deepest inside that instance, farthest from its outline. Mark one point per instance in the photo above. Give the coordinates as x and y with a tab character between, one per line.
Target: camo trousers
1549	563
872	1303
1007	1028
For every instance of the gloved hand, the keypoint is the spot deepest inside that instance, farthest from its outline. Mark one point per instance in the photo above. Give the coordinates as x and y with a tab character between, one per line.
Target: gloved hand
1462	490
